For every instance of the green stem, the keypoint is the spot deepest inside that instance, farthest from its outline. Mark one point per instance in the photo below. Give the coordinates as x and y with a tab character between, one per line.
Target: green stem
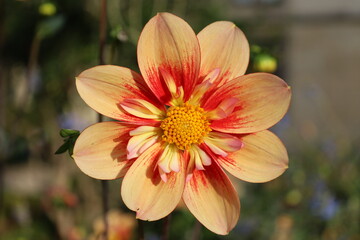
196	232
140	230
166	227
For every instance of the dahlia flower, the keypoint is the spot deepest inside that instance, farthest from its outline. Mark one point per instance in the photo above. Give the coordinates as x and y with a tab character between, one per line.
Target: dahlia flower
190	114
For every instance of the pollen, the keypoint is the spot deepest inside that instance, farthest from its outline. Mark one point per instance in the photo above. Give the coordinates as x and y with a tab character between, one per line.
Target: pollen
185	125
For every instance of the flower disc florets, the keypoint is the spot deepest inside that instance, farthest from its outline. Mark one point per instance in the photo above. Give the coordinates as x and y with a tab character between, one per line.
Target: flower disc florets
185	125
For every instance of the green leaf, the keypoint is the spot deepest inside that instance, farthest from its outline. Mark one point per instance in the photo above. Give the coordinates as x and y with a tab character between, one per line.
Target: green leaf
63	148
72	141
70	137
68	133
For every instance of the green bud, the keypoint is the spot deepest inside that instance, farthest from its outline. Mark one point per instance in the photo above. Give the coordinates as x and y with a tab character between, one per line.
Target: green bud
265	63
47	9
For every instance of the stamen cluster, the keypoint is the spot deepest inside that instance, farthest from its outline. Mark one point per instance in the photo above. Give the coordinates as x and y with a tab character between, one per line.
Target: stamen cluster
185	125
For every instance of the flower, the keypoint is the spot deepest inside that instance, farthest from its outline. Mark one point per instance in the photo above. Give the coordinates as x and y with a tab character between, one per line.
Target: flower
120	226
191	114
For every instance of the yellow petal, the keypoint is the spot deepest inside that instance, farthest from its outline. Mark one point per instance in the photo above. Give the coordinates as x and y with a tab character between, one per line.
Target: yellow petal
263	100
262	158
169	43
223	46
144	191
212	199
104	87
100	150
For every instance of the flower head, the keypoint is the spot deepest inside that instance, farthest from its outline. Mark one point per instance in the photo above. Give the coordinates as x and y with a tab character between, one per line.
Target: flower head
191	113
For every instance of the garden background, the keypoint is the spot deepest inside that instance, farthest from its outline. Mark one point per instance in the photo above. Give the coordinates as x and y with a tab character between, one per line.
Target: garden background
313	45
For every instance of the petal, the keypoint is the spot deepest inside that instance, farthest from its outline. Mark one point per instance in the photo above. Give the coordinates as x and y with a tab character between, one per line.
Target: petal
223	46
100	150
170	159
198	157
262	158
212	199
143	191
206	85
224	109
143	138
104	87
169	43
141	108
222	143
263	100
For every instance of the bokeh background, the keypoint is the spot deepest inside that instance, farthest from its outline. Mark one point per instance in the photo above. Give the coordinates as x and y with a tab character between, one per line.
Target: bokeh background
313	45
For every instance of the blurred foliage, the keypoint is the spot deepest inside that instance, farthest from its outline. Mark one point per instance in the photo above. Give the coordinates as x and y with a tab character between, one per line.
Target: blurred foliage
45	44
70	137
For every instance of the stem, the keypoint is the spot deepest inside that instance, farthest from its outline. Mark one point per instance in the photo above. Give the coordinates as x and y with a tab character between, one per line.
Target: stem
195	235
33	58
102	32
104	183
166	227
105	207
3	99
140	230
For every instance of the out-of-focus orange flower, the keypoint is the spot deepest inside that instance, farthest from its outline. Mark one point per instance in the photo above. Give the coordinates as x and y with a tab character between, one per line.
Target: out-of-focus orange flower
59	197
120	226
191	113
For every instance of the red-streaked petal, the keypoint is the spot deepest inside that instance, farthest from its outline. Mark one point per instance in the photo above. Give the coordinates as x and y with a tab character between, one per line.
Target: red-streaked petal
104	87
169	43
262	158
144	191
263	100
212	199
100	150
223	46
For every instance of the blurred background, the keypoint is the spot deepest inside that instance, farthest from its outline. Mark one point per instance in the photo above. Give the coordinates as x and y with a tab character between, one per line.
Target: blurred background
313	45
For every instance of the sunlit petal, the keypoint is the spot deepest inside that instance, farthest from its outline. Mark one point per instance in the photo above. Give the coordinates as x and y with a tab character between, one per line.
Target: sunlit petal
263	100
212	199
169	43
262	158
100	150
144	191
104	87
223	46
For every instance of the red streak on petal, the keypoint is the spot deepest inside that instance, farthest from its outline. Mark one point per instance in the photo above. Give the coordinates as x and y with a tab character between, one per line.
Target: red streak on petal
198	178
183	76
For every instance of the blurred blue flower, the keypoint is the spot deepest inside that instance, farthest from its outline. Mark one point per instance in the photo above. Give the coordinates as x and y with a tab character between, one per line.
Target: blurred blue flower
323	203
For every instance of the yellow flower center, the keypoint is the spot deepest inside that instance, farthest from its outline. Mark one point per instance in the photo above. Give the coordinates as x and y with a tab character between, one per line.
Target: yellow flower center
185	125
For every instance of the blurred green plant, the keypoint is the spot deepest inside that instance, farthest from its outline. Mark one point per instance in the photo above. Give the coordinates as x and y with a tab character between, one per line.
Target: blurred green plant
70	137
